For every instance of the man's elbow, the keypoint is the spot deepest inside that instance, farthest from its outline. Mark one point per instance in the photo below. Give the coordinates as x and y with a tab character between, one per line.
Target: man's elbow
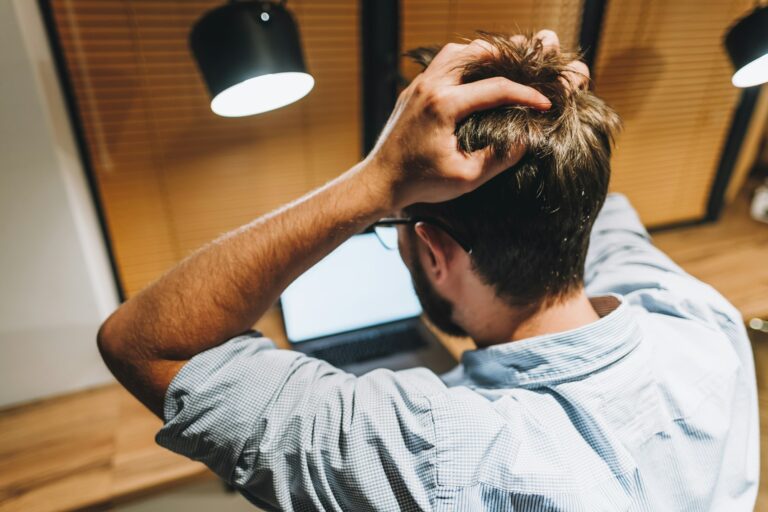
110	341
145	377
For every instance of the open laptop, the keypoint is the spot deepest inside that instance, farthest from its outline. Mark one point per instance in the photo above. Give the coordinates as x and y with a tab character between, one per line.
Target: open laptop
357	309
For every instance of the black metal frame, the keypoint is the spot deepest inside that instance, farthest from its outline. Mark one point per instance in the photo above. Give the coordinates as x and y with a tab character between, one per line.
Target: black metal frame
395	221
739	127
589	34
380	65
77	129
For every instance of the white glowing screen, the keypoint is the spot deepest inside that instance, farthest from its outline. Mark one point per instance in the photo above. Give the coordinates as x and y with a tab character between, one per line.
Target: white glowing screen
262	94
360	284
754	73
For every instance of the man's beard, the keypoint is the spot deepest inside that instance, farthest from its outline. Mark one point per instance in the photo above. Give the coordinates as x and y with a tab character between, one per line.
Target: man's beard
438	309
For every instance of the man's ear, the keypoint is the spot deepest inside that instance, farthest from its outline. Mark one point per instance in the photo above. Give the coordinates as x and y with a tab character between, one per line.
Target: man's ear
438	248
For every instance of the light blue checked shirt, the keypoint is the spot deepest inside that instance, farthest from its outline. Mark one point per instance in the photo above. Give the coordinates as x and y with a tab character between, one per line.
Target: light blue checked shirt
653	407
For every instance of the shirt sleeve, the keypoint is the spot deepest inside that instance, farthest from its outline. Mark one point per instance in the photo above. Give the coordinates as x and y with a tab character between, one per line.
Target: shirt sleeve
623	260
293	432
621	256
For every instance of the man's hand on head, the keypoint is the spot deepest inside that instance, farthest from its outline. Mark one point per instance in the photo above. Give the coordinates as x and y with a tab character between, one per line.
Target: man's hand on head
417	154
417	158
223	288
578	75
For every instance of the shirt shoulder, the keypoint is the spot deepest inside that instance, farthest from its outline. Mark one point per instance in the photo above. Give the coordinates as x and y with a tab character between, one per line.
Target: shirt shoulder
264	419
520	446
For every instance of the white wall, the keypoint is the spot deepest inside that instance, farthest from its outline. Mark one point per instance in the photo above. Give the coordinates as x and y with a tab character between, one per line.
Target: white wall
55	282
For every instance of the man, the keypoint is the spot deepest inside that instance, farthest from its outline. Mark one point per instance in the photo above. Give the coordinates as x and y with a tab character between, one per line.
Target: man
636	393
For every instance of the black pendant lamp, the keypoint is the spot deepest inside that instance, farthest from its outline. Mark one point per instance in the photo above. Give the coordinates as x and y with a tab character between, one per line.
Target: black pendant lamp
249	54
747	44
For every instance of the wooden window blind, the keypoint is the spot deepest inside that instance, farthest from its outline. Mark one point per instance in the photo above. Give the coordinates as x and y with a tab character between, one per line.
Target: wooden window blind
173	175
430	22
663	67
660	64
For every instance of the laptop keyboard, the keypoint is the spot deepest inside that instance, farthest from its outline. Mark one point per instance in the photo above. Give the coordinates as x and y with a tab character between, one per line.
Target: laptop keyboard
370	344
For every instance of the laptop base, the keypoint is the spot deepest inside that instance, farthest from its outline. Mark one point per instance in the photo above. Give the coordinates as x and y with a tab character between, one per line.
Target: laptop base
397	346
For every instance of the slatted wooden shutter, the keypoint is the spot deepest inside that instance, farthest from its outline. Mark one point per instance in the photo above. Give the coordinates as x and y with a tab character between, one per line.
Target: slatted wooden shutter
662	65
171	174
430	22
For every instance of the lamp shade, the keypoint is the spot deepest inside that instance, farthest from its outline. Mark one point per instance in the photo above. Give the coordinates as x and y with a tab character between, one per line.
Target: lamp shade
249	54
747	45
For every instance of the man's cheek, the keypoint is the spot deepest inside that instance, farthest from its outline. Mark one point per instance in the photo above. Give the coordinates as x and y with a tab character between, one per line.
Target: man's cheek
404	249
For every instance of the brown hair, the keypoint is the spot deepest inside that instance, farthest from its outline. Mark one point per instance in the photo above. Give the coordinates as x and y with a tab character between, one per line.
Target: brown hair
529	226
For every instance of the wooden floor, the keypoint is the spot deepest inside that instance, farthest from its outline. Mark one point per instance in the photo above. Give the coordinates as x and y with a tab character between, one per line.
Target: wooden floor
96	448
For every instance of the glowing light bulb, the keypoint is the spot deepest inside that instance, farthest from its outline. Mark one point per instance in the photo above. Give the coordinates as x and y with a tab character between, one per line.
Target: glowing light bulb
262	94
754	73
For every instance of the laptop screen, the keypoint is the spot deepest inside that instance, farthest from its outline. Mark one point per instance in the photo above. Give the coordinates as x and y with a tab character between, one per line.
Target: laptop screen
360	284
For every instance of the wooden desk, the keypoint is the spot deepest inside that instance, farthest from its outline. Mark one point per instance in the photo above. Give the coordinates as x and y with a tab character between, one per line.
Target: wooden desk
97	447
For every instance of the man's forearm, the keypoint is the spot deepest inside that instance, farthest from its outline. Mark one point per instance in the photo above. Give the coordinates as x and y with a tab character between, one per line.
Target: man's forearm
222	289
225	287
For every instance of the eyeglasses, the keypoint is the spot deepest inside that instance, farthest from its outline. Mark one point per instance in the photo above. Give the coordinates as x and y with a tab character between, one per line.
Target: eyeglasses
386	231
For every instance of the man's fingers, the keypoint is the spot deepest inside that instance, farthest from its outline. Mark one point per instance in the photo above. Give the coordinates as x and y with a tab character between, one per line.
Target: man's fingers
548	39
495	164
577	75
447	63
445	60
491	165
490	93
477	49
518	39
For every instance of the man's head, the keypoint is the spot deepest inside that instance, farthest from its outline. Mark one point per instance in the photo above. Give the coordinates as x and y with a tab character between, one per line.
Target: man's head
528	228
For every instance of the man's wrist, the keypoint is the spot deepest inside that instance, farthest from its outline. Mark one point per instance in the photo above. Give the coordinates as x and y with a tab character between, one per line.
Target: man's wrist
378	186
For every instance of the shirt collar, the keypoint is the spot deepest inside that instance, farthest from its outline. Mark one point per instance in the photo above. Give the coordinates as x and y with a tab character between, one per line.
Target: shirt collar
541	360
